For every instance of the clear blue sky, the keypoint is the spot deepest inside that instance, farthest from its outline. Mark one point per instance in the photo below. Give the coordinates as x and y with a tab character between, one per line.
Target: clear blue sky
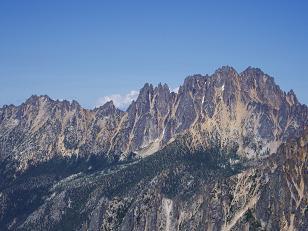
84	50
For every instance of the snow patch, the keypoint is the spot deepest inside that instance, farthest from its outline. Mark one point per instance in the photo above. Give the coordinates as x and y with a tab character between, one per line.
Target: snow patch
202	100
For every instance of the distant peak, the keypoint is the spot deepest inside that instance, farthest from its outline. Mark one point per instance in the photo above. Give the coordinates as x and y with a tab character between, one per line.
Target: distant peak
257	73
146	89
147	86
75	103
252	71
193	78
35	98
161	89
291	95
162	86
226	69
107	108
291	92
108	104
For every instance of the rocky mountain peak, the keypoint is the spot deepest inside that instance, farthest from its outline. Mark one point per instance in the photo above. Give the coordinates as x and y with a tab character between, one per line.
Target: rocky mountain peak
245	112
193	82
217	144
75	104
107	109
144	98
146	89
257	76
291	97
161	89
108	104
252	71
44	101
35	99
226	71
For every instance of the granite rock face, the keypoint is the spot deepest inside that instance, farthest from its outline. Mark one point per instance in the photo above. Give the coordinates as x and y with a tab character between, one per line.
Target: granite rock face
245	112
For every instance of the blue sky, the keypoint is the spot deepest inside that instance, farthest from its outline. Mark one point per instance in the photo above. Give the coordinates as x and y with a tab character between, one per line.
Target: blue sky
88	50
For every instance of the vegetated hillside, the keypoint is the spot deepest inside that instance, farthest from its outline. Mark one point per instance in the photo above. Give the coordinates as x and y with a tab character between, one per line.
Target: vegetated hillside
29	190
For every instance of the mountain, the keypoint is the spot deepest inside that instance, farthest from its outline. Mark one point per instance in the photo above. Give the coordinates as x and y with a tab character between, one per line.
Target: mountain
226	152
245	112
172	189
